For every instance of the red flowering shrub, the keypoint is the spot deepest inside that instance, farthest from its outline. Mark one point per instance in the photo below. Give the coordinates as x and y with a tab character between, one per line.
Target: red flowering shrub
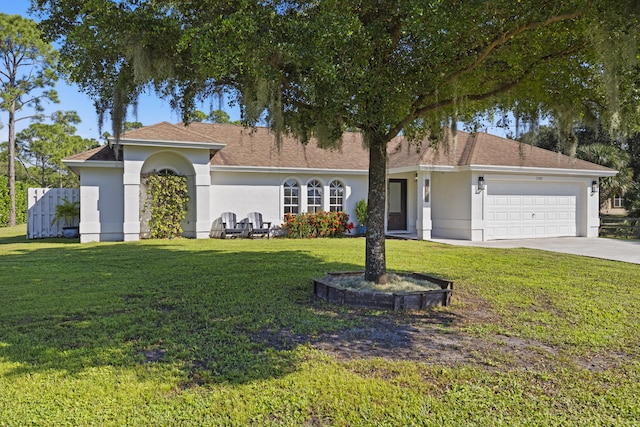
319	224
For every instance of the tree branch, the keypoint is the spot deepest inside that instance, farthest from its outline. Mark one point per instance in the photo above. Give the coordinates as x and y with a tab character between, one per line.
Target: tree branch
29	176
420	111
499	41
507	36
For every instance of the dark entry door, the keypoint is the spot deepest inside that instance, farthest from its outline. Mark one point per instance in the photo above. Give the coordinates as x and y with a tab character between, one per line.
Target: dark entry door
397	205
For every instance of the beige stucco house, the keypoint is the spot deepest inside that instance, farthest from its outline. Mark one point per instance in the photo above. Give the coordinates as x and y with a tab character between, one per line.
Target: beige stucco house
480	187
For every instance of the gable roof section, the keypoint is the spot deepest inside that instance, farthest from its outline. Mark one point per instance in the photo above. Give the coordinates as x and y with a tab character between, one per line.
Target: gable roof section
496	151
165	134
103	153
256	148
483	150
165	131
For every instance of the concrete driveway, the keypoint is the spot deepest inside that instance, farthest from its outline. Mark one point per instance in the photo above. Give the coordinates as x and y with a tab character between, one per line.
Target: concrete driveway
613	249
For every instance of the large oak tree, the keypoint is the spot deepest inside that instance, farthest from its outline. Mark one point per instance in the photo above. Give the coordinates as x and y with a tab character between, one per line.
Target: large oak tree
315	68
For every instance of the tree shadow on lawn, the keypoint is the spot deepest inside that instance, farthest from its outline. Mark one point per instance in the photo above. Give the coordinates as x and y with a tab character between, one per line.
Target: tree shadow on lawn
216	314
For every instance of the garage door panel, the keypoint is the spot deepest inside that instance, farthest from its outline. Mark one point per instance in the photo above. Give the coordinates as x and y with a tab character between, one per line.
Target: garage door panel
523	213
530	189
541	230
501	232
527	231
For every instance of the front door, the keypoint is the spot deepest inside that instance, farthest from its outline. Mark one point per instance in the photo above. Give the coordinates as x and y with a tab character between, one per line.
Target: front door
397	205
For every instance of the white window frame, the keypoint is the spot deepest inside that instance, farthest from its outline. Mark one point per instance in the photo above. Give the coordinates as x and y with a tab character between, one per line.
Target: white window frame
337	192
291	202
314	201
617	202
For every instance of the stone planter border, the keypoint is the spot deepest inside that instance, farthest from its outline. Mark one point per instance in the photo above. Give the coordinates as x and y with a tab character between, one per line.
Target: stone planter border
396	301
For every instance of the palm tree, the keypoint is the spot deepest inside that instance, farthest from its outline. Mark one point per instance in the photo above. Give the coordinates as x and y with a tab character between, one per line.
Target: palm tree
614	158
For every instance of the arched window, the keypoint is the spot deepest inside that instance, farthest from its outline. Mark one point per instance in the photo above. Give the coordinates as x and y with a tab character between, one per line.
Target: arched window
167	172
336	196
314	196
291	197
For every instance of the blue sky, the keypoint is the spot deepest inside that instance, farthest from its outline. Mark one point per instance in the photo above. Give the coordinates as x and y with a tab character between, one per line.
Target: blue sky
151	109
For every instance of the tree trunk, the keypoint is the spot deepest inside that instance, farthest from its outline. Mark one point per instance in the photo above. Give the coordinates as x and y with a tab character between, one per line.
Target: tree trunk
12	164
376	263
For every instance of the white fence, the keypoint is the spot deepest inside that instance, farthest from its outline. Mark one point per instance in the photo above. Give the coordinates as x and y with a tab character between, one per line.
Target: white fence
41	204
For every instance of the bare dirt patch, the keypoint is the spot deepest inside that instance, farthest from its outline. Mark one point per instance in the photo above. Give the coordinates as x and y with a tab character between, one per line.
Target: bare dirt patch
437	337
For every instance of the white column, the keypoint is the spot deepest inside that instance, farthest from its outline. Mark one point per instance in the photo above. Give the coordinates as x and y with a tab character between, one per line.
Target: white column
131	182
478	206
592	208
423	198
203	201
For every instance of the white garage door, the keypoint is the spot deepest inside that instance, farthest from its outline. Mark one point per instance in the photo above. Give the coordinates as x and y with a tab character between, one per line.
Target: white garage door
528	210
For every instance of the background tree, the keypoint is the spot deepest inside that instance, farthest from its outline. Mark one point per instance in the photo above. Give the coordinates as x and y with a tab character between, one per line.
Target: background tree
215	116
595	144
126	126
384	67
615	158
222	117
26	74
131	126
44	145
632	197
199	116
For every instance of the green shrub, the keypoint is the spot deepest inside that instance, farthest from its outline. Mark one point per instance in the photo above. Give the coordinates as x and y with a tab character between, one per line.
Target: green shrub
168	201
361	211
5	202
319	224
67	210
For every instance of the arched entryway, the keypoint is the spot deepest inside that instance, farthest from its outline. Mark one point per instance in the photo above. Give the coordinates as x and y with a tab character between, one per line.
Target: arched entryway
168	162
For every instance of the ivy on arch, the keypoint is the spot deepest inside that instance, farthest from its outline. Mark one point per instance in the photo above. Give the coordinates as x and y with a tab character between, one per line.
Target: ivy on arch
167	201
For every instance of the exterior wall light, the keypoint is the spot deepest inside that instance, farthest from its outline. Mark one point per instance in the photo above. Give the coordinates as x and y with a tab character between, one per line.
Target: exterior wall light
594	187
481	183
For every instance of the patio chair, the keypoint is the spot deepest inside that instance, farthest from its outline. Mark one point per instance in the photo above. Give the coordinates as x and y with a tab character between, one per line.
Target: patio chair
231	227
258	227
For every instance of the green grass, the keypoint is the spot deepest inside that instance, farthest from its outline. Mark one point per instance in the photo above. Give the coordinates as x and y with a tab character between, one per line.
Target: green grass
215	332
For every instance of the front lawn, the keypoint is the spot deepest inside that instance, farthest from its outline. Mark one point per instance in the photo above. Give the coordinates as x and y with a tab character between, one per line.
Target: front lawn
214	332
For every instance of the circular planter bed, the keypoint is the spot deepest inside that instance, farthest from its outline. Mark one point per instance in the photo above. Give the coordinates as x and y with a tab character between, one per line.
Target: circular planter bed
327	289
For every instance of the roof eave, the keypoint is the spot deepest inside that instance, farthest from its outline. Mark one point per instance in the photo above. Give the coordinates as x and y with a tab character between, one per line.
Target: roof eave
171	144
275	169
425	168
74	165
539	170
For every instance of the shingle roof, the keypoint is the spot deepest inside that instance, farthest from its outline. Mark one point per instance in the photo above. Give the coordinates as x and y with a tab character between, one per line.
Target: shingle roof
165	131
482	149
257	147
103	153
